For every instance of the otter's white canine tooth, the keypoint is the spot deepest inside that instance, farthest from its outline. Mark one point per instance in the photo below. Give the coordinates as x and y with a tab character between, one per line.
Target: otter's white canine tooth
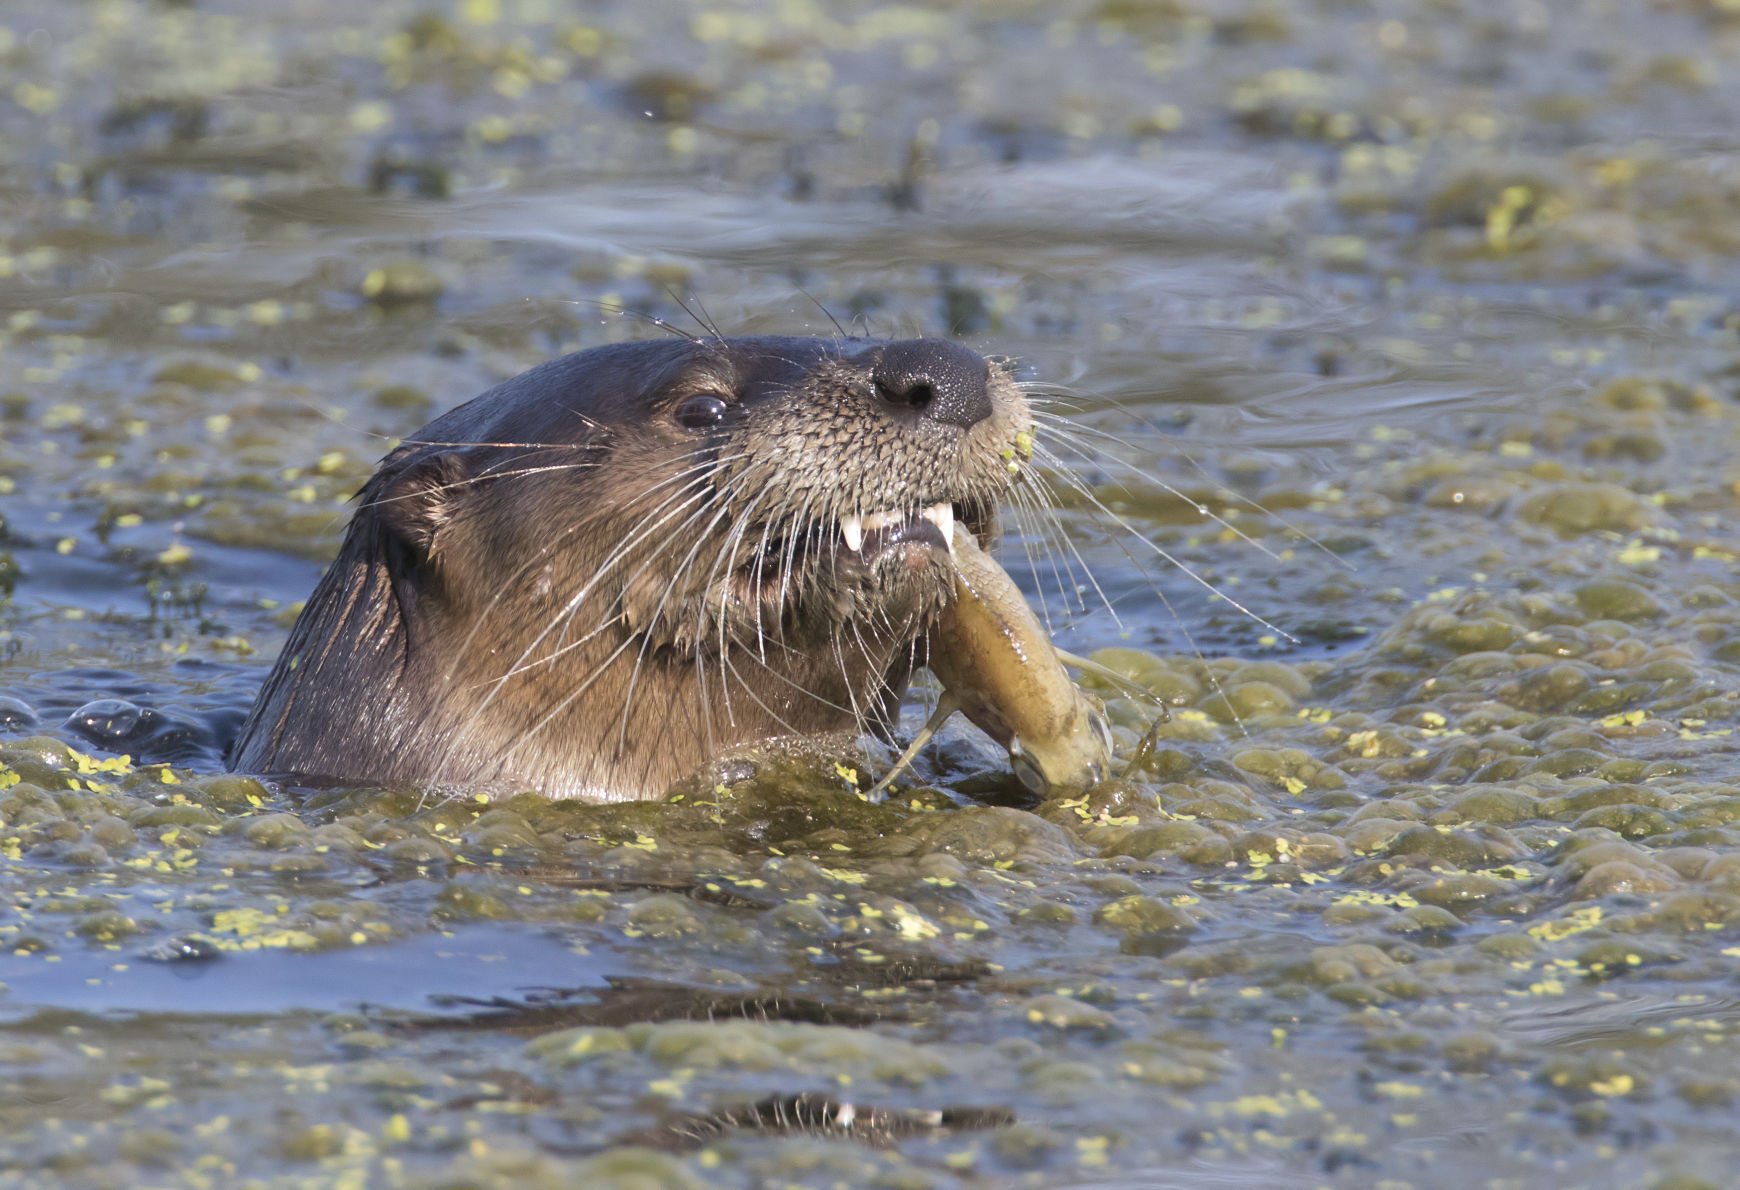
943	517
853	528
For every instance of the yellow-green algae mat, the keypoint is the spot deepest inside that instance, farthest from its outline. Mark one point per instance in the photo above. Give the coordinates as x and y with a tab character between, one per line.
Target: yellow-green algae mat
1442	892
1232	942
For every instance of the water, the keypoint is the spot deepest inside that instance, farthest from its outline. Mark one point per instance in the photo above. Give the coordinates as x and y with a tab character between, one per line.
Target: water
1432	880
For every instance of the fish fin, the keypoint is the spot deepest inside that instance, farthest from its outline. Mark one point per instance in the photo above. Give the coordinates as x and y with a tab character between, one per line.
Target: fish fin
1112	677
945	706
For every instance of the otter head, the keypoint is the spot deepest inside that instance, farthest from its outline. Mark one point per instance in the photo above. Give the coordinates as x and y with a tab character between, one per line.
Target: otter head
603	573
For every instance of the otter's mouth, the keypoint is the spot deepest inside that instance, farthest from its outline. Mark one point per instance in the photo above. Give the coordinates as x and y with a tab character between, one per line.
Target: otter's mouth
874	534
870	547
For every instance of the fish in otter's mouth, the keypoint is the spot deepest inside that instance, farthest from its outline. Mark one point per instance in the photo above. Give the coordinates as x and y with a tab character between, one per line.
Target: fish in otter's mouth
599	576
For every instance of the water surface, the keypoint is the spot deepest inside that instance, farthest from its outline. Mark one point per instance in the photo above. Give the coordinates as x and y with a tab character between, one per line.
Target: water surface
1432	307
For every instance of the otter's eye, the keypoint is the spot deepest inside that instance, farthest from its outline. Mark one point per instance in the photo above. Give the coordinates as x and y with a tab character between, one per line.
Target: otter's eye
702	412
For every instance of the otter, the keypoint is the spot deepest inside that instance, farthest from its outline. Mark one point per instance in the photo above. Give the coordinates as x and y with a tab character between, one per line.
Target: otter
597	577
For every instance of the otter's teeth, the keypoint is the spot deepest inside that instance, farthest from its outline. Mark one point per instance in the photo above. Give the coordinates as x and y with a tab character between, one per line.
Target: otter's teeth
853	527
943	517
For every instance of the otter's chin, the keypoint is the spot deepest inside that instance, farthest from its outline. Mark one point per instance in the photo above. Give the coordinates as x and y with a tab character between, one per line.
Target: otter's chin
894	587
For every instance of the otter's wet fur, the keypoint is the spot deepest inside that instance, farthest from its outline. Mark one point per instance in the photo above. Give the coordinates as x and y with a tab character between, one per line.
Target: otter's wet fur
600	575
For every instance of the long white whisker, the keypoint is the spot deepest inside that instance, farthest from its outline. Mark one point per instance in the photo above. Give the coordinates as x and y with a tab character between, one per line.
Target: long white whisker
1088	494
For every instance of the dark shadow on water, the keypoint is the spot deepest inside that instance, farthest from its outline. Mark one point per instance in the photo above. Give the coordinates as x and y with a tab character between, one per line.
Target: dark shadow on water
830	991
636	1001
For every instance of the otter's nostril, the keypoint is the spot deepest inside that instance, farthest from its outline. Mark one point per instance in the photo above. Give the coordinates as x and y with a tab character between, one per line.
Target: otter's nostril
917	395
939	382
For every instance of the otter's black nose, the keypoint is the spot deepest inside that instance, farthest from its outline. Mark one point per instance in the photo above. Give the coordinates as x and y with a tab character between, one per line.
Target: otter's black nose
933	380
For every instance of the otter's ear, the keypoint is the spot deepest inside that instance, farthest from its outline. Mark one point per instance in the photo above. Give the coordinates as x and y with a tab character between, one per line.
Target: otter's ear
418	499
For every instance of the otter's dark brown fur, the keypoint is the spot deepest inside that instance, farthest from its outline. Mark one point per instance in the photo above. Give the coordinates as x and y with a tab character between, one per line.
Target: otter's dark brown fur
603	573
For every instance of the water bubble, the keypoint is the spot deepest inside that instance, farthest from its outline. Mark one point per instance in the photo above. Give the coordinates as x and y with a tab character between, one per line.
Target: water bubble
108	721
15	713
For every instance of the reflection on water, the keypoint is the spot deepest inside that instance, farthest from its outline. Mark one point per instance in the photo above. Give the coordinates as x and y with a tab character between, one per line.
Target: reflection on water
410	976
